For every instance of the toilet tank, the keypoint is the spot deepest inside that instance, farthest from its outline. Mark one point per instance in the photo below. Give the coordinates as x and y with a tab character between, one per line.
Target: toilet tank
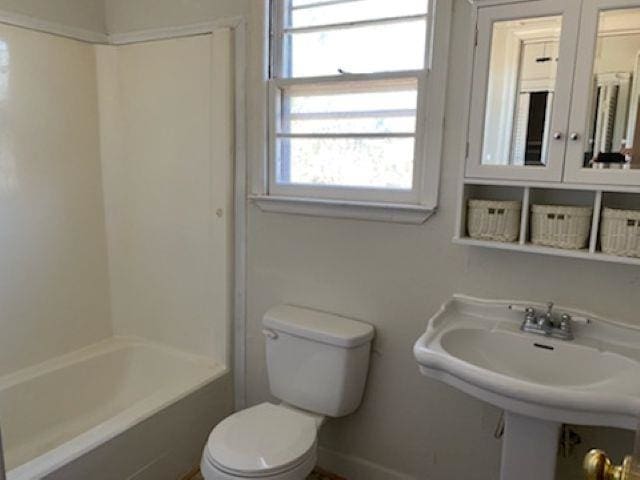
317	361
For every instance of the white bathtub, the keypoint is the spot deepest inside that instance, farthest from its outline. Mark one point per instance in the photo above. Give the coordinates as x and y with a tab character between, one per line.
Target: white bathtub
58	412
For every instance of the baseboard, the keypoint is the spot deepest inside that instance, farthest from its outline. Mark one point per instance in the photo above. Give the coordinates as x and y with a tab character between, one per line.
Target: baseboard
356	468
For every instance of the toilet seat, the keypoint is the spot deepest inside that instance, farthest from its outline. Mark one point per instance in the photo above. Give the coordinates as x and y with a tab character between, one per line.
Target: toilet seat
262	441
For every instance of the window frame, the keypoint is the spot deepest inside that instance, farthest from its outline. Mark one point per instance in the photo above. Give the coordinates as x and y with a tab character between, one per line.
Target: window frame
278	81
429	137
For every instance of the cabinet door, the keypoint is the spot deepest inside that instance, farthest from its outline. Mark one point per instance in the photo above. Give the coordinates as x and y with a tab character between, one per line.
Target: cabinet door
604	138
522	79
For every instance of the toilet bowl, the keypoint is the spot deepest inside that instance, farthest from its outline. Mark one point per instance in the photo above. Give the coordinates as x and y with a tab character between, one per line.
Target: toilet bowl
269	442
317	365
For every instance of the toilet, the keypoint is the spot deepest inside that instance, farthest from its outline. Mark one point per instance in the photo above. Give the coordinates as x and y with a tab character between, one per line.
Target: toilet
317	365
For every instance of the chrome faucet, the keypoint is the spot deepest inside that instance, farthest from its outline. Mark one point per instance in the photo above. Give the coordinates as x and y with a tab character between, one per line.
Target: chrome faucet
546	324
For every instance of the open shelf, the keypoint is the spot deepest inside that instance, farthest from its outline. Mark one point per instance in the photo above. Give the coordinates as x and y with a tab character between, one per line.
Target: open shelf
560	252
547	195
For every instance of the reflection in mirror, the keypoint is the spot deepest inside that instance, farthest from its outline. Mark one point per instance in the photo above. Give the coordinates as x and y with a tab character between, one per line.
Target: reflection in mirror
612	139
522	79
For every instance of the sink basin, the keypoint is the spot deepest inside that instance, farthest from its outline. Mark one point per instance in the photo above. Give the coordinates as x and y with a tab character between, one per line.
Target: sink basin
526	358
541	382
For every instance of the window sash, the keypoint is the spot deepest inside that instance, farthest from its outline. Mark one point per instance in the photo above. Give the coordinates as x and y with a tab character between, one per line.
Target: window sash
278	81
353	24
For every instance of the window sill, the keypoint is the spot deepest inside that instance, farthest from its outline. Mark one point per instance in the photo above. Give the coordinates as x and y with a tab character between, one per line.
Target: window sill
373	211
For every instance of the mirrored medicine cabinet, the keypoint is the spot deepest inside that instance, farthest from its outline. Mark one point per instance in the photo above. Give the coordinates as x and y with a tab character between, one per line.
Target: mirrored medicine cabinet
555	89
554	113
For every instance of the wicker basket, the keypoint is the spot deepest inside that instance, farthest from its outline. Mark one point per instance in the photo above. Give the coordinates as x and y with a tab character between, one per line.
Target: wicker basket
620	232
494	220
561	226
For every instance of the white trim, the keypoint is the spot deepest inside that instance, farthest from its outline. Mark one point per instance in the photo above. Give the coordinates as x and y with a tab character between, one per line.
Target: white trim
356	468
346	193
315	207
166	33
429	125
320	207
354	24
260	87
347	135
53	28
558	252
552	185
326	3
102	38
434	102
240	217
489	3
347	78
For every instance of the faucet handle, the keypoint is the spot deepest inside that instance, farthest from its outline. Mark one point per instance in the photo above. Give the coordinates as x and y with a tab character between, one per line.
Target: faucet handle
565	322
529	315
521	308
550	308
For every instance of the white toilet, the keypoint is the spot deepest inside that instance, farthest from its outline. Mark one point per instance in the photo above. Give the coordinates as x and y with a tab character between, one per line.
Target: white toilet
317	365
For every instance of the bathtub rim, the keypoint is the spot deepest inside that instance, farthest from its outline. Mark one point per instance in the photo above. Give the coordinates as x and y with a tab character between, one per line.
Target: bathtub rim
124	420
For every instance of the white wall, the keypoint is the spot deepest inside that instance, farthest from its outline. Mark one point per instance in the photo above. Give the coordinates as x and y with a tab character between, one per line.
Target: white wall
54	287
86	15
167	127
395	277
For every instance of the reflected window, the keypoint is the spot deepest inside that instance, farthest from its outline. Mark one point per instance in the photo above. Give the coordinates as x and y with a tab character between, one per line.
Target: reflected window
522	80
611	140
532	128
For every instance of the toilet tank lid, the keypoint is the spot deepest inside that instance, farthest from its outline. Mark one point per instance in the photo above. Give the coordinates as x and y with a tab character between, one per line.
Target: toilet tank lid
319	326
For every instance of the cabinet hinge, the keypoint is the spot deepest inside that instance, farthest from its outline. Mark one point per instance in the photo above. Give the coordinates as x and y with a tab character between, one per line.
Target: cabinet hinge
475	38
466	153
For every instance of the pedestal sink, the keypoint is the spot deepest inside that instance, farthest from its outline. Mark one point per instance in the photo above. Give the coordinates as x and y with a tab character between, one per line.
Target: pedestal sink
540	382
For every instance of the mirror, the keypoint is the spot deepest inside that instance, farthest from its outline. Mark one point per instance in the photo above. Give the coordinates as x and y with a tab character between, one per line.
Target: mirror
612	137
522	80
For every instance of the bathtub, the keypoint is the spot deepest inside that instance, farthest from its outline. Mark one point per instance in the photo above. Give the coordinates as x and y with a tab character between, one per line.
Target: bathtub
121	409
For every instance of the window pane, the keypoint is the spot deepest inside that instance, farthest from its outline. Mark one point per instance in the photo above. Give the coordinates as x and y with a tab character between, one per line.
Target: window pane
347	162
355	11
374	48
334	124
363	107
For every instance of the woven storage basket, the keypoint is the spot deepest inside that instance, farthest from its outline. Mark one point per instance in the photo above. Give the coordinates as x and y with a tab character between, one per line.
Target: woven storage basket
560	226
494	220
620	232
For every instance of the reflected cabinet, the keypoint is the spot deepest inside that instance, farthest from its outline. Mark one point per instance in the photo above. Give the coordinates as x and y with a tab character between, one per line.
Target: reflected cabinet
555	92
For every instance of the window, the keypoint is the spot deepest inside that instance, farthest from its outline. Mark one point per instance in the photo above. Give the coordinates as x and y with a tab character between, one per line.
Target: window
348	102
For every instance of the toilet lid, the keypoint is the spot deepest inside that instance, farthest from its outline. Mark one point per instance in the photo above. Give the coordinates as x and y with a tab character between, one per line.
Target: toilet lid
262	439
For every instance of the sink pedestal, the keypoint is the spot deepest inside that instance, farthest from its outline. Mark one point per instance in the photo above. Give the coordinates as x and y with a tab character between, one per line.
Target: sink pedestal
529	448
478	347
